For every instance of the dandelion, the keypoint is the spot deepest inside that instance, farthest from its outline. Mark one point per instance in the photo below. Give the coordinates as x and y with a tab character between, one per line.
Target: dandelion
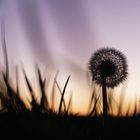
108	68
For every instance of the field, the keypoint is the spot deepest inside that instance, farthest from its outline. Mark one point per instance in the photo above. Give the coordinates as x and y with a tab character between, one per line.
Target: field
42	122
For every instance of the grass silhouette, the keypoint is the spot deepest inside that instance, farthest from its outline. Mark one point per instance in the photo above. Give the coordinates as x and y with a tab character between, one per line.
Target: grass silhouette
42	121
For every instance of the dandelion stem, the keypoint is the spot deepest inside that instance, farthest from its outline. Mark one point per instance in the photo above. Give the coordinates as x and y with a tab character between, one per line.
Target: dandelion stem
104	95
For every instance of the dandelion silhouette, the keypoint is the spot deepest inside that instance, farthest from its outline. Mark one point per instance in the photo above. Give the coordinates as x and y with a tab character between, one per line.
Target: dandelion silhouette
108	68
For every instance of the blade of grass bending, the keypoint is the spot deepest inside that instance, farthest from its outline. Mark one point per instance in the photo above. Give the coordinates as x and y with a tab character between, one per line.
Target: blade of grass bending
135	107
42	83
121	100
128	109
69	104
62	96
58	86
35	106
7	86
53	96
17	80
20	105
64	104
4	100
11	101
4	48
53	91
110	97
94	107
88	78
91	100
27	81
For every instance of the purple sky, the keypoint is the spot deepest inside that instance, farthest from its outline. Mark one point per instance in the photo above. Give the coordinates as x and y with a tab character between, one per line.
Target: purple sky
63	34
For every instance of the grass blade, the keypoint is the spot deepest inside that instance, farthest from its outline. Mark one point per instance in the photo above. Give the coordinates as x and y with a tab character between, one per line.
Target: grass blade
69	104
4	46
64	104
62	96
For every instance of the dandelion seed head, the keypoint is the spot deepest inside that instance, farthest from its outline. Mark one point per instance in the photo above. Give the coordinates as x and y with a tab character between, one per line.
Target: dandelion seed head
110	64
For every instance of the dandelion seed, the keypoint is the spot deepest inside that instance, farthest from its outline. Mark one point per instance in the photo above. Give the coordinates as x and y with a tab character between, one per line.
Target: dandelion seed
108	63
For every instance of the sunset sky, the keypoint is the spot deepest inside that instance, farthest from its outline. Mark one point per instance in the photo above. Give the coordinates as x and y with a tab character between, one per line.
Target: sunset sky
64	34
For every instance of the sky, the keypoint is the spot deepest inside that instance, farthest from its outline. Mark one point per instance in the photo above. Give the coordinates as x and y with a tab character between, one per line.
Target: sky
63	35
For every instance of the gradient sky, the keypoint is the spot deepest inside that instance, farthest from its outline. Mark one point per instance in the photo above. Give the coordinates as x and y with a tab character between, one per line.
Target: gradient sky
63	35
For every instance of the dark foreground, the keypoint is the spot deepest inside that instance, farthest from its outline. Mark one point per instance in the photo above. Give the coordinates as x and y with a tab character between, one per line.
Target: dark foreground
53	127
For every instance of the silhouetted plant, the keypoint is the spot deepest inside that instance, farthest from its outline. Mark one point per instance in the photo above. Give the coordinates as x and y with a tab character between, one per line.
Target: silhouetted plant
42	82
63	101
108	68
62	96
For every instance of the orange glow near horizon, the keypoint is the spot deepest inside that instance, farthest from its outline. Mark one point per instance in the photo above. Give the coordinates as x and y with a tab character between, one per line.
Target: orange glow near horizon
81	96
